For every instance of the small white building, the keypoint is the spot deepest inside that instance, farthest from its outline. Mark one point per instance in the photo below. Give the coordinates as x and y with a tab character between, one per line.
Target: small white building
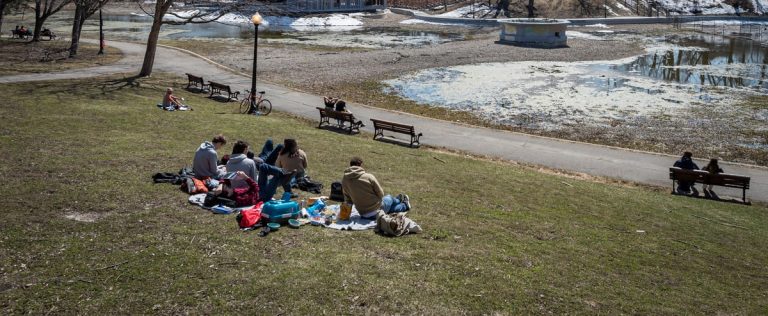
534	32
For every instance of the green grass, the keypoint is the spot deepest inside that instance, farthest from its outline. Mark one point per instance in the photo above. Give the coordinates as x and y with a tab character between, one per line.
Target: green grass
499	237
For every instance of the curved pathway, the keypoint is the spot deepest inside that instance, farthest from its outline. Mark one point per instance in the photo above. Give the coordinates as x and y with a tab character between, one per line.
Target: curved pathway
630	165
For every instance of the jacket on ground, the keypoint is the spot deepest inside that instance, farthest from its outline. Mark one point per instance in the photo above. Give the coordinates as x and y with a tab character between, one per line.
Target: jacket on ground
247	195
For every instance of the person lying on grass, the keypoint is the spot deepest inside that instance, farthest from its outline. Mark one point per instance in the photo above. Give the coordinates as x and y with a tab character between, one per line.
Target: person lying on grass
363	190
243	196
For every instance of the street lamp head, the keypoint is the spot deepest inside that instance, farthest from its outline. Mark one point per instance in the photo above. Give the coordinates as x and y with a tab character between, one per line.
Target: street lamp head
256	18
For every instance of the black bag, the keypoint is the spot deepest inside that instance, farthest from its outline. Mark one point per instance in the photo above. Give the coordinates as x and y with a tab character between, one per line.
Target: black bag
336	192
306	184
212	200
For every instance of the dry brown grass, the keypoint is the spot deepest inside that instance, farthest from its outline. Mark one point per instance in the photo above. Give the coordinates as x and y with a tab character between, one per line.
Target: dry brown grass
20	56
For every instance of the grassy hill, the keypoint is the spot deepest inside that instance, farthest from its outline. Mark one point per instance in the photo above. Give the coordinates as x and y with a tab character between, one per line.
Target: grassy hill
85	231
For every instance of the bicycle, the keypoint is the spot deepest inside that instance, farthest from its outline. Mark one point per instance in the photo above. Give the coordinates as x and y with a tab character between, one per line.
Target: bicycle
255	105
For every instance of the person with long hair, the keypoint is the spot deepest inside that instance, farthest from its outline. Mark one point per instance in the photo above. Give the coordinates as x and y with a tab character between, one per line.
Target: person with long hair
713	168
292	158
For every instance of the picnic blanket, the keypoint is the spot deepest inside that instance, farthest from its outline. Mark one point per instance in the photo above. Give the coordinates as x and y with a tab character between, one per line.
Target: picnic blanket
355	222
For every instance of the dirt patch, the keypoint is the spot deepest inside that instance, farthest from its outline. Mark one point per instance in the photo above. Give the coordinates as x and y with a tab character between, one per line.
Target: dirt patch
90	217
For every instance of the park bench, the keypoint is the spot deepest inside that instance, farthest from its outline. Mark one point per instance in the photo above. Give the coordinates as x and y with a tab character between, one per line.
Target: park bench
327	114
379	126
49	33
20	35
195	81
721	179
217	88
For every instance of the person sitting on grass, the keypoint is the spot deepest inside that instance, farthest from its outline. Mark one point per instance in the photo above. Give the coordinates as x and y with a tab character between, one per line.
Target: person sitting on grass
172	102
268	177
244	196
292	158
204	164
363	190
686	163
713	168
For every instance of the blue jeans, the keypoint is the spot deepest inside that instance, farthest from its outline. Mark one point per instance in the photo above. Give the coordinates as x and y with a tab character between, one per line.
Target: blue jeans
267	186
389	205
392	205
289	183
269	152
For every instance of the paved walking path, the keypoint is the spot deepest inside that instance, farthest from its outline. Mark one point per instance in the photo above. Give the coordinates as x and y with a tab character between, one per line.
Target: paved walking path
636	166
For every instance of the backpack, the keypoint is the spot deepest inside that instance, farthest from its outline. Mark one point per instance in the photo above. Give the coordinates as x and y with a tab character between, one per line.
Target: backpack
308	185
250	217
336	192
212	200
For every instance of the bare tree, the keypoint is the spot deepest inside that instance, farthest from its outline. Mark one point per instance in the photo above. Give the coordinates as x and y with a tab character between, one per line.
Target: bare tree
83	10
43	10
160	10
8	4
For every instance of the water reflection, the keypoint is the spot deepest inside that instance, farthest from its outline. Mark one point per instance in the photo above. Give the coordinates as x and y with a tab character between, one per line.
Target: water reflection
705	61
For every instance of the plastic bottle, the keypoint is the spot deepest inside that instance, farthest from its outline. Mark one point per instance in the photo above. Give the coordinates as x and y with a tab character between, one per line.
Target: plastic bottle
315	209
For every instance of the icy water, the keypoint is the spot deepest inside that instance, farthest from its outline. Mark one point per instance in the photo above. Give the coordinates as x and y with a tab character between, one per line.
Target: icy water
137	27
674	75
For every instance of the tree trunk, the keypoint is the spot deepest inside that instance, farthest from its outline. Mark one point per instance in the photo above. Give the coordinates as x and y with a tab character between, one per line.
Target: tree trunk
77	24
161	7
2	9
39	19
530	9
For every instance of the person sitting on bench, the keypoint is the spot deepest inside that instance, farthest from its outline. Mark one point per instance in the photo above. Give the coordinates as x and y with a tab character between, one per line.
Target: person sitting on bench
686	163
363	190
713	168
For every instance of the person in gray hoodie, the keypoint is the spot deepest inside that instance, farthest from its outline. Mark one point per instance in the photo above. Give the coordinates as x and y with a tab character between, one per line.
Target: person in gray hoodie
204	163
267	186
364	191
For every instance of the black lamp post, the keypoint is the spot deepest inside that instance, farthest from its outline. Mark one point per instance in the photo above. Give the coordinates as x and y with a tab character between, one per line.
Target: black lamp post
101	32
256	19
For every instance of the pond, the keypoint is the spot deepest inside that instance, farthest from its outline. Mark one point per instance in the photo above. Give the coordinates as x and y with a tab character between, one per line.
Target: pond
675	74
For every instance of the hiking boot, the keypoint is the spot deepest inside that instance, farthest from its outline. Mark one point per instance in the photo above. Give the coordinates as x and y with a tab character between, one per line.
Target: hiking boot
405	200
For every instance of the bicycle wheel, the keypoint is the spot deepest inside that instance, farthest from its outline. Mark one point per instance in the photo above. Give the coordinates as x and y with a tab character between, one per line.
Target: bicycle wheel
245	106
264	107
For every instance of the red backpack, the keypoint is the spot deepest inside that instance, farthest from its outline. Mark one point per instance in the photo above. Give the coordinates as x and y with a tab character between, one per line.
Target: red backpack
250	217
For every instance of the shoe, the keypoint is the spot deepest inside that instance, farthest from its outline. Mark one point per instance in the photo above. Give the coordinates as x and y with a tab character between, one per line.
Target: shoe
405	200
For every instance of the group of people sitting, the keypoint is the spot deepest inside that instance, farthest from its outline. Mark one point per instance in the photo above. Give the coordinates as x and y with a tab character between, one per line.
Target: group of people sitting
248	179
689	188
22	31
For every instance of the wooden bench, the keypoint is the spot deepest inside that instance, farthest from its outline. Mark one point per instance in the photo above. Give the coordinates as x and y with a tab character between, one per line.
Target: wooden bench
195	81
327	114
49	33
700	176
379	126
217	88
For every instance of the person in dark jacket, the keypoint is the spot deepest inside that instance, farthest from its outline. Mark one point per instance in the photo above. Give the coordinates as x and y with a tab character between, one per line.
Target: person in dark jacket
686	163
713	168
